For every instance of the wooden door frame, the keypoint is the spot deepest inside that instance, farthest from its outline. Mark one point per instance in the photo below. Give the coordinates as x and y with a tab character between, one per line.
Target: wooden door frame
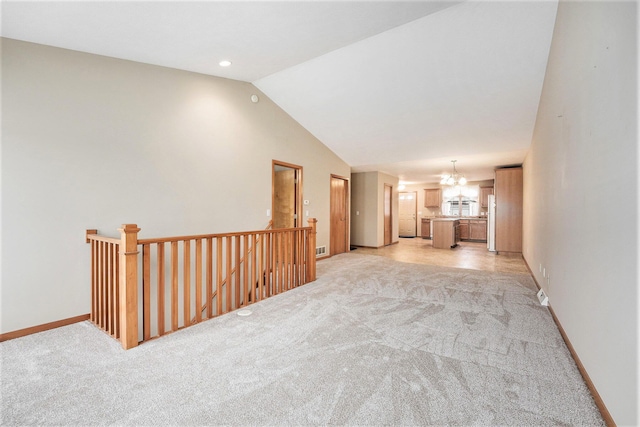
298	197
384	222
347	208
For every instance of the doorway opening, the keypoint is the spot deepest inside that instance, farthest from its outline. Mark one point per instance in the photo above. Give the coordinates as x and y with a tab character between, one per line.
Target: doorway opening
286	195
388	190
407	214
339	217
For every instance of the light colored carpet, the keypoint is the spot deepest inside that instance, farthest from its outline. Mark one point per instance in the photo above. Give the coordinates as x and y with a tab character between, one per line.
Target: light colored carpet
372	342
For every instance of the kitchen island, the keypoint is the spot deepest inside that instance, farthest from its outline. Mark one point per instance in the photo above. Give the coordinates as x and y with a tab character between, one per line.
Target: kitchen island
446	232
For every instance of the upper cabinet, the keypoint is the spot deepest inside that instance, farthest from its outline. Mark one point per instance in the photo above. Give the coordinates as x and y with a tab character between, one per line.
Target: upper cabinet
485	192
432	197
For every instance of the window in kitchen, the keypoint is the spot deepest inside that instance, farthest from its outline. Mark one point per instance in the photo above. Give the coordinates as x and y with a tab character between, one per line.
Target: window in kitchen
460	200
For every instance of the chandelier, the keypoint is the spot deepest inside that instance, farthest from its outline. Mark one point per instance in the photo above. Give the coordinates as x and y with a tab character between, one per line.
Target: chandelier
454	178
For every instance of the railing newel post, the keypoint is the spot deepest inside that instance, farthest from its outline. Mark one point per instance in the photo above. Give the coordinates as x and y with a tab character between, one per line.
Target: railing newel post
88	232
311	251
128	285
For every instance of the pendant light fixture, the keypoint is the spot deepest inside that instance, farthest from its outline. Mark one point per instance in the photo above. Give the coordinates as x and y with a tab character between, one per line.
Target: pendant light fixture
454	178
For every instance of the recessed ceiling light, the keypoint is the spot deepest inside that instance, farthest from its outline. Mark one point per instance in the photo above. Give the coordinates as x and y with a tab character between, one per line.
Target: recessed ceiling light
224	63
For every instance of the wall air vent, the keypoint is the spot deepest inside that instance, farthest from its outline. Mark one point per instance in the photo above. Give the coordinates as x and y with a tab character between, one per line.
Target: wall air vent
542	297
321	250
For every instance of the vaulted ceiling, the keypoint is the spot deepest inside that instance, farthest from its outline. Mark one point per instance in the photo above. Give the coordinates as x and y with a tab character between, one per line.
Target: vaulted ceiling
399	87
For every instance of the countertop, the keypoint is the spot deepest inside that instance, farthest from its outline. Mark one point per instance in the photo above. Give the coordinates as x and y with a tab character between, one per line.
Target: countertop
453	218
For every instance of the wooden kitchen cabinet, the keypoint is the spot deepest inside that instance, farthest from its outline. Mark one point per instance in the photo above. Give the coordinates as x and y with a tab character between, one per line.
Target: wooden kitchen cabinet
508	191
478	230
484	196
464	229
446	233
425	228
473	229
432	198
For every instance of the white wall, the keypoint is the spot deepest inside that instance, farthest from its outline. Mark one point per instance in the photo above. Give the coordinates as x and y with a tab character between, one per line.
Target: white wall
94	142
581	194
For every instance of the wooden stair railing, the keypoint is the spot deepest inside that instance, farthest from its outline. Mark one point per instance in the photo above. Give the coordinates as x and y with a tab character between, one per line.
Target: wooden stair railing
208	275
197	319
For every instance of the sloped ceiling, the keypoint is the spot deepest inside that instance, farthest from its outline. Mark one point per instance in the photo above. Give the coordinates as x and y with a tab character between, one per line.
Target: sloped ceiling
400	87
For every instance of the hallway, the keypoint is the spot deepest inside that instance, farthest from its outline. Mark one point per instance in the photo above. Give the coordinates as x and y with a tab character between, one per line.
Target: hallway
471	255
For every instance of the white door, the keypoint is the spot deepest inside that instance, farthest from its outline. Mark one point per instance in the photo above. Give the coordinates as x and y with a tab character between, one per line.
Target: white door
407	214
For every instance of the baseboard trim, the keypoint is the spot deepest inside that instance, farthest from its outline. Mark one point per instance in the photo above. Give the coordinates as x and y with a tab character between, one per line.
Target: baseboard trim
41	328
606	416
376	247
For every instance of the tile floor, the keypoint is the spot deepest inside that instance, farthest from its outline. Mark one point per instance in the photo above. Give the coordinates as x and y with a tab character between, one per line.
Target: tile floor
470	255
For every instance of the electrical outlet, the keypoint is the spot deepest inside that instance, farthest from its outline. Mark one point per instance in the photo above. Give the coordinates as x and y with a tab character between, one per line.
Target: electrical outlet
544	272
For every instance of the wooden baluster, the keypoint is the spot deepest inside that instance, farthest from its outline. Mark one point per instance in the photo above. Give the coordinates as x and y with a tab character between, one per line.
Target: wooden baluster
161	290
236	268
261	266
299	242
229	243
294	257
289	252
247	277
117	286
219	276
99	285
286	263
98	311
267	267
146	292
300	260
105	288
281	261
113	287
108	289
174	286
186	286
252	280
275	263
209	278
198	280
128	285
103	312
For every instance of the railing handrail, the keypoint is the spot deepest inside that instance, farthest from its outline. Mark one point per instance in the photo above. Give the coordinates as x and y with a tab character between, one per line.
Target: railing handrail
214	236
99	238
